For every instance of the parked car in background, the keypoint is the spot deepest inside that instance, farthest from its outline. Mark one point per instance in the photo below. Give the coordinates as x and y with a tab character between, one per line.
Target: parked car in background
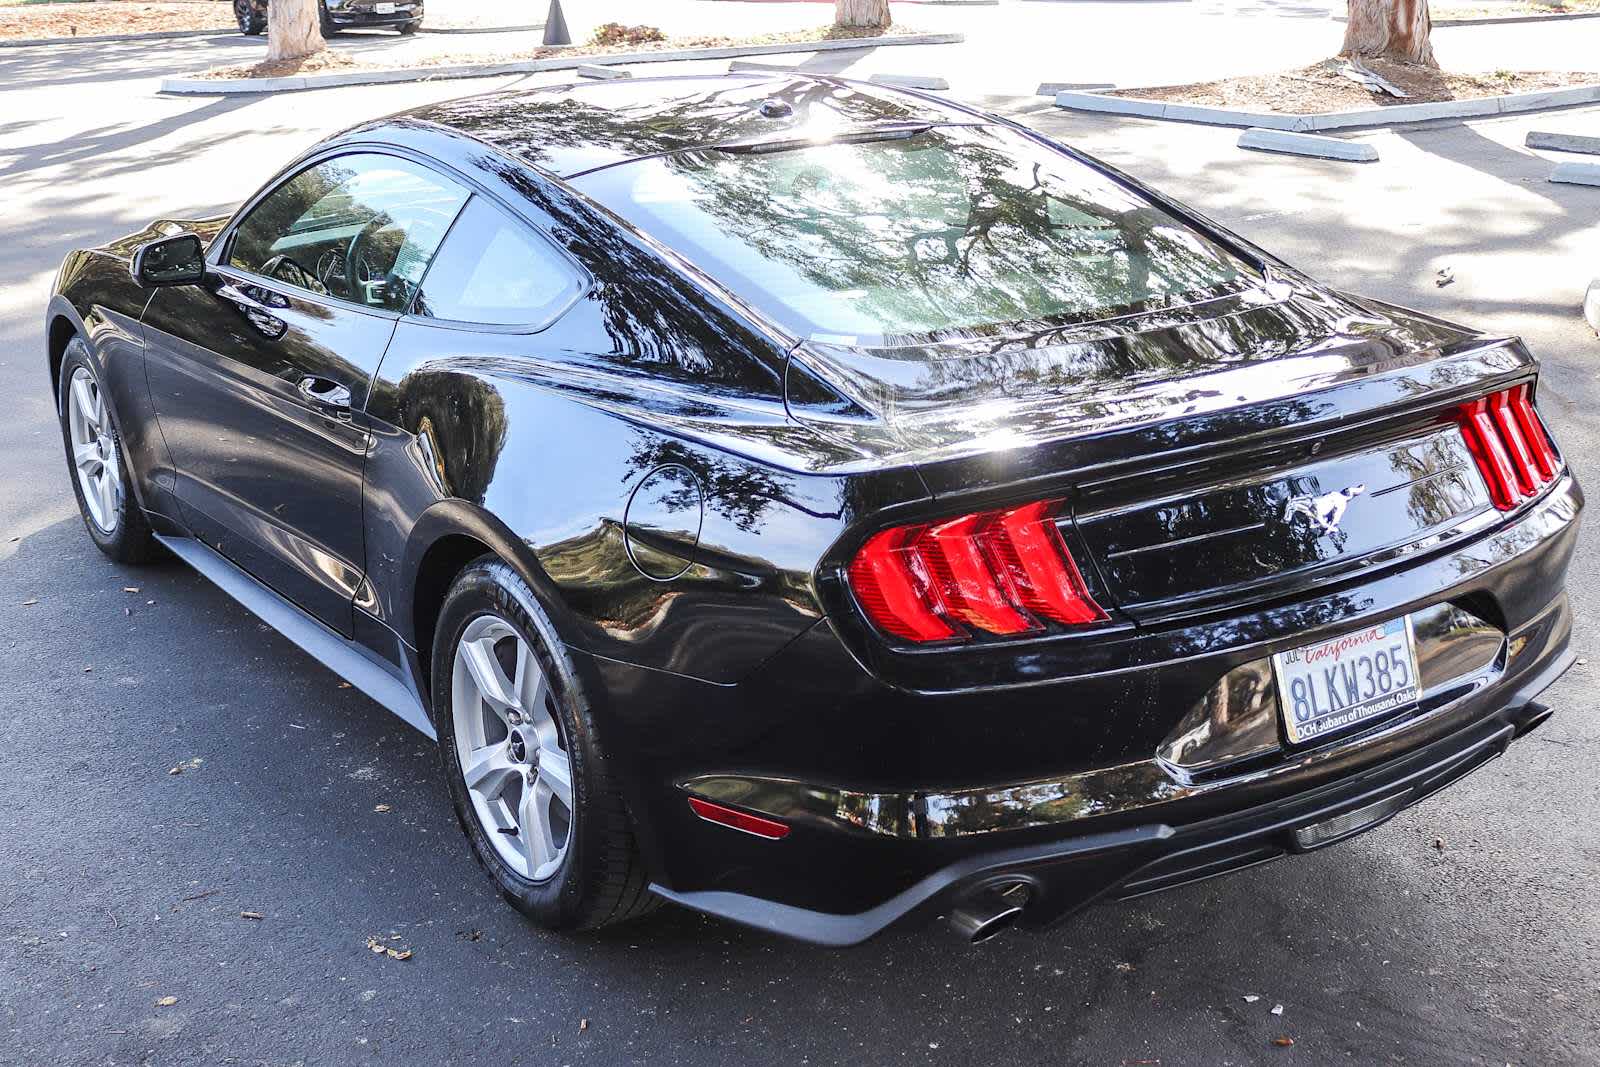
826	506
403	15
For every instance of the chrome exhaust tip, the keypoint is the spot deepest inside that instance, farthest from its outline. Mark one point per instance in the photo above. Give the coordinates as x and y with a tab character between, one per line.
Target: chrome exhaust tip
989	911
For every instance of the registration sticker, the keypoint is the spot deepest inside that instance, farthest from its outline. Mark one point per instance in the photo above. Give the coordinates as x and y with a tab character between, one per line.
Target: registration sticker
1335	684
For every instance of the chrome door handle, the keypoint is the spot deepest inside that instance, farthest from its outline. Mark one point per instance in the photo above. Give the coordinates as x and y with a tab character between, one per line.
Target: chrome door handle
325	391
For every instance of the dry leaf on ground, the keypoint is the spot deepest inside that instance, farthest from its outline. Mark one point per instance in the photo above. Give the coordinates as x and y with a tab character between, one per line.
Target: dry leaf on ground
380	949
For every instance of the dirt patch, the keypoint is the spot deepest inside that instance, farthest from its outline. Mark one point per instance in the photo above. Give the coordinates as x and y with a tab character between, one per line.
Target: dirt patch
49	21
1320	87
1512	9
448	59
322	63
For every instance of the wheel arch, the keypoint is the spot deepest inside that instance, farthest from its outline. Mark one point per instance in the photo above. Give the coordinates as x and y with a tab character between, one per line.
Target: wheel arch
62	325
446	539
449	537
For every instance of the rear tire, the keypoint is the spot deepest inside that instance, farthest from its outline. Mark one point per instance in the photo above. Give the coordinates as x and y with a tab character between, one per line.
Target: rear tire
252	23
509	706
408	28
97	462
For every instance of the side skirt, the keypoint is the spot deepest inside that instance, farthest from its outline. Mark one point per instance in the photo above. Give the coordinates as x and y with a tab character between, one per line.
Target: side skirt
344	657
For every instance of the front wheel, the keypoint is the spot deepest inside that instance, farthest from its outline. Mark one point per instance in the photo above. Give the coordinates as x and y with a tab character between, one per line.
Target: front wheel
408	28
95	459
527	777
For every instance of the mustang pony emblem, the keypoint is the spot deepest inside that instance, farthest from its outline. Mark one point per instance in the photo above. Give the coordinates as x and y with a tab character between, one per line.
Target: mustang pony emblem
1324	511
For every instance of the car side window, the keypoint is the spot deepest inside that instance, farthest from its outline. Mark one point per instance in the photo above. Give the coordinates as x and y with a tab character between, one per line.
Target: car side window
493	269
360	227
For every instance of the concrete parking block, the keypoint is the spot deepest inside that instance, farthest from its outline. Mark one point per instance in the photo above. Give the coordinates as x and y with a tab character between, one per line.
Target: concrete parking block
910	81
1052	88
1576	174
1563	142
1308	144
591	70
745	65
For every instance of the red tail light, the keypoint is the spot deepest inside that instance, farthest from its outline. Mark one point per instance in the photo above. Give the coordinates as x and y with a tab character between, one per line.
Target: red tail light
1001	572
1510	444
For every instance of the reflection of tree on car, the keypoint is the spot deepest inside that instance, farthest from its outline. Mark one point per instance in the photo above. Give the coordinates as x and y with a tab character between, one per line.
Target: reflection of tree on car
352	231
336	15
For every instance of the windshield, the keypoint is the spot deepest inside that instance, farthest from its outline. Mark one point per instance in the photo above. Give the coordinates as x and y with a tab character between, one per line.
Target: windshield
948	230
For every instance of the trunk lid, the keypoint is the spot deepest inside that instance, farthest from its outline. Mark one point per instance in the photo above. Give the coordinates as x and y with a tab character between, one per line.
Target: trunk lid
1272	522
1212	456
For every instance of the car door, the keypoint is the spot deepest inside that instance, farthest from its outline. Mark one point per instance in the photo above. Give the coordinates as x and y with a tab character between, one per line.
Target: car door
259	377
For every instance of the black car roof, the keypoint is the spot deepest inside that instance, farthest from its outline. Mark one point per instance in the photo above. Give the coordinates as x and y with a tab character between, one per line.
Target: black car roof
566	130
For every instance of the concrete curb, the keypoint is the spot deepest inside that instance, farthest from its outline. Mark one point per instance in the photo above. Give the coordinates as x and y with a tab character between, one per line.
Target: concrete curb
1307	144
1576	174
1563	142
590	70
111	38
168	35
482	29
1501	20
1330	120
243	86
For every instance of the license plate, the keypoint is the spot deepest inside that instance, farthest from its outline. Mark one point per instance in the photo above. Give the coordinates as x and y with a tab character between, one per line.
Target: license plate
383	9
1335	684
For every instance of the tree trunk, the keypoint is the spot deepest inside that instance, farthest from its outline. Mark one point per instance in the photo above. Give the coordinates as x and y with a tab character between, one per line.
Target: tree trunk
294	29
1390	29
861	14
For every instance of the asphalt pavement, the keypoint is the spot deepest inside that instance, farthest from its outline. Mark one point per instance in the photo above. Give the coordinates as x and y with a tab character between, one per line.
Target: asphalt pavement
1466	931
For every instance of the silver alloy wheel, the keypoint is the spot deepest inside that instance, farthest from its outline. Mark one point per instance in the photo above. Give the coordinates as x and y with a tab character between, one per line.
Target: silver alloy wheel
509	748
94	451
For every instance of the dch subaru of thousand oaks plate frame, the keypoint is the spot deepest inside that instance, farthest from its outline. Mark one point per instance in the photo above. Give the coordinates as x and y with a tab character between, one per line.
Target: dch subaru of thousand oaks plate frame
1333	685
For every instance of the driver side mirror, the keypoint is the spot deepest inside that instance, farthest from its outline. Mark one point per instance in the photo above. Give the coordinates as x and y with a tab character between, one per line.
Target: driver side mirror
179	260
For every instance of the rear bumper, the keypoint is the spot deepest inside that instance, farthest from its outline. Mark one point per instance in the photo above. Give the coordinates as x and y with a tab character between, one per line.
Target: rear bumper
1180	843
355	19
858	861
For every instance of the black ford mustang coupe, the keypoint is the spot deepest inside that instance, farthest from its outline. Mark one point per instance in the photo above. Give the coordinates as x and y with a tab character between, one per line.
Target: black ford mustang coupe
826	506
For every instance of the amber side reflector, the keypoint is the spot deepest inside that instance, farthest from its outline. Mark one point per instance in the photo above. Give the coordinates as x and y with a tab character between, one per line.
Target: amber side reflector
770	829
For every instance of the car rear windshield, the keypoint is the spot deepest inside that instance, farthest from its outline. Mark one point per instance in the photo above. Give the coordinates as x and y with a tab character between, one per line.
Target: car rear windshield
925	234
